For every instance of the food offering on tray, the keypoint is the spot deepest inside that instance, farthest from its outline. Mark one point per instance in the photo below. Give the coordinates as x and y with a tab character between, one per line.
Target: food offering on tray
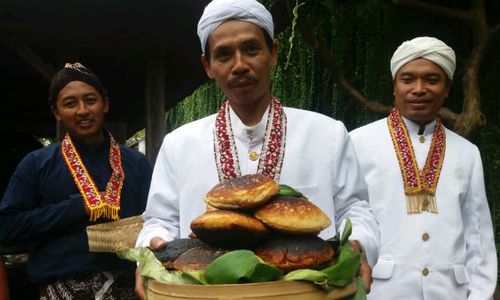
280	225
254	230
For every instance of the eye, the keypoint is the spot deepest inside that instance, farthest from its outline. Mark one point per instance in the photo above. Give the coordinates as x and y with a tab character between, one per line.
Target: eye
222	54
406	79
252	49
69	103
90	99
433	80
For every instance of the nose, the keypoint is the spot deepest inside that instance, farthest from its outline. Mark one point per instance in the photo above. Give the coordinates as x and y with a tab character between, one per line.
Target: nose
82	108
240	65
419	88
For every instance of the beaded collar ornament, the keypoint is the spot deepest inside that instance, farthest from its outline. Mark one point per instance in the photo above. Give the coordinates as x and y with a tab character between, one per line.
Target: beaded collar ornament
273	148
97	205
420	185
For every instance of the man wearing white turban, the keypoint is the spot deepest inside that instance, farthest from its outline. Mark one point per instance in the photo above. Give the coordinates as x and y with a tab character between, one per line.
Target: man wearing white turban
426	188
253	133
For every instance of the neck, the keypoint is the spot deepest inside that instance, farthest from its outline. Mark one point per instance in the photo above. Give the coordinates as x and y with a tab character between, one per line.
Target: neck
91	142
251	113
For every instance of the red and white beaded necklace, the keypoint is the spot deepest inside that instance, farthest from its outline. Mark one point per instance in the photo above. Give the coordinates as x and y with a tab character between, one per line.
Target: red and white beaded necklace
273	148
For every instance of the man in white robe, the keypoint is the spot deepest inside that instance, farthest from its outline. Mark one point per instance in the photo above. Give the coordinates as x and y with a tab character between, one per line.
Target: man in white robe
435	225
308	151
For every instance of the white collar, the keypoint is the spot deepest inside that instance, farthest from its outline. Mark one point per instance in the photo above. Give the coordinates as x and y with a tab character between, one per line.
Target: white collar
244	132
413	128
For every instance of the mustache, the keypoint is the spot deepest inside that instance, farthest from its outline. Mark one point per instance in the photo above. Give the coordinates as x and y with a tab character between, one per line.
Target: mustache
246	78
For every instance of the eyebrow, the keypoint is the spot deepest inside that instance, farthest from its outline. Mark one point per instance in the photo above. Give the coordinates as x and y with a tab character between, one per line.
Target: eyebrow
424	74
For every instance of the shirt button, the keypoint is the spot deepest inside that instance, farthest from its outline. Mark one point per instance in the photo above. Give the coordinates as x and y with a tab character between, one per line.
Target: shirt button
253	155
421	139
425	272
425	236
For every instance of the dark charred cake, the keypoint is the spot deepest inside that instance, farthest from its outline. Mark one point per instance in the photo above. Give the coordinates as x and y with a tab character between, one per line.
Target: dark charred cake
197	258
292	252
228	229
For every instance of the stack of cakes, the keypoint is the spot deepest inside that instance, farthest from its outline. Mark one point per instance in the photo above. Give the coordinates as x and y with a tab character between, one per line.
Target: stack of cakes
249	212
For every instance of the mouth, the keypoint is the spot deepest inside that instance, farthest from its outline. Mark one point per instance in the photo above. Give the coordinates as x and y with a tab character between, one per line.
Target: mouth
84	123
420	103
241	83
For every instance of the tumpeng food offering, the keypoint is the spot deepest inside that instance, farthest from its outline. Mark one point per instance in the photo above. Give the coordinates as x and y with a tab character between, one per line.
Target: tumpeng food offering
257	240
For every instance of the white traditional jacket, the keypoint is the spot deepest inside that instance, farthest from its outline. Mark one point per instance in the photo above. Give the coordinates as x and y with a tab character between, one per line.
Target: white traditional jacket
448	255
319	161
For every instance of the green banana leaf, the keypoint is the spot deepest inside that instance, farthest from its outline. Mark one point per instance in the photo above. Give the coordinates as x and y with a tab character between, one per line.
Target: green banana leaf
240	266
153	269
286	190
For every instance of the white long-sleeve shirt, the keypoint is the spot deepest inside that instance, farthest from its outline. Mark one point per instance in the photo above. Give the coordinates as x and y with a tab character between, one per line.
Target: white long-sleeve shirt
319	161
448	255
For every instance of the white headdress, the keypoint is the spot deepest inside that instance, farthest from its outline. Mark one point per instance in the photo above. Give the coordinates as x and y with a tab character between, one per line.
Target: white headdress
424	47
218	11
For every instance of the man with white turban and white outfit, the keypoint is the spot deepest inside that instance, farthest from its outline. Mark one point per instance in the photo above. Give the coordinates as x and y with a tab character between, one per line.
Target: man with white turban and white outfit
253	133
426	188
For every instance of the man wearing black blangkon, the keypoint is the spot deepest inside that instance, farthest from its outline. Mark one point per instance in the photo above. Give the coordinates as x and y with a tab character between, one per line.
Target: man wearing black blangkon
57	191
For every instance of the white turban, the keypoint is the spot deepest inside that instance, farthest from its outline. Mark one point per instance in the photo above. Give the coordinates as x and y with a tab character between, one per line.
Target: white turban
218	11
424	47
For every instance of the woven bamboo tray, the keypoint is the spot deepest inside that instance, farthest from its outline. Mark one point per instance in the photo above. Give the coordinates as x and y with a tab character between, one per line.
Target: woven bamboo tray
275	290
114	236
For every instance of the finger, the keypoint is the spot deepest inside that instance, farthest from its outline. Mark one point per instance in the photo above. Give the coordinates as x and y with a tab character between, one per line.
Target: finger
366	275
368	282
139	284
157	243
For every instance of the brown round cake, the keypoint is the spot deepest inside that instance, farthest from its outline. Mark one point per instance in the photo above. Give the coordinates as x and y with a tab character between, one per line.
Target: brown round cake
293	215
242	192
292	252
228	229
197	258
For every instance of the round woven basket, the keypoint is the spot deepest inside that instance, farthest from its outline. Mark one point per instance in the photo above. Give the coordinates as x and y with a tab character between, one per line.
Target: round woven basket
114	236
275	290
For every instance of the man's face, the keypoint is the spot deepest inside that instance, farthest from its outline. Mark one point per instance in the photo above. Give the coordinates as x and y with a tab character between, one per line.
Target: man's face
81	109
240	61
420	88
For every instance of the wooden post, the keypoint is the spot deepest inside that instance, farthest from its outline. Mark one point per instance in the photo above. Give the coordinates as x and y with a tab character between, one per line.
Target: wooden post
155	106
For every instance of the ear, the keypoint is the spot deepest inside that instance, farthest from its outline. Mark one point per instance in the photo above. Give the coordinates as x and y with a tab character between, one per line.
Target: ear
56	113
206	64
274	53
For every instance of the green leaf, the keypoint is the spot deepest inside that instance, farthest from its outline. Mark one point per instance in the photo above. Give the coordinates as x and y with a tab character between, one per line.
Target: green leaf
239	266
346	233
344	270
198	275
286	190
318	277
152	268
334	242
264	272
361	291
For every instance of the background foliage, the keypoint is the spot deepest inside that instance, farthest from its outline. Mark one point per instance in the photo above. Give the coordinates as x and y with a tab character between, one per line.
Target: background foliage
361	36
